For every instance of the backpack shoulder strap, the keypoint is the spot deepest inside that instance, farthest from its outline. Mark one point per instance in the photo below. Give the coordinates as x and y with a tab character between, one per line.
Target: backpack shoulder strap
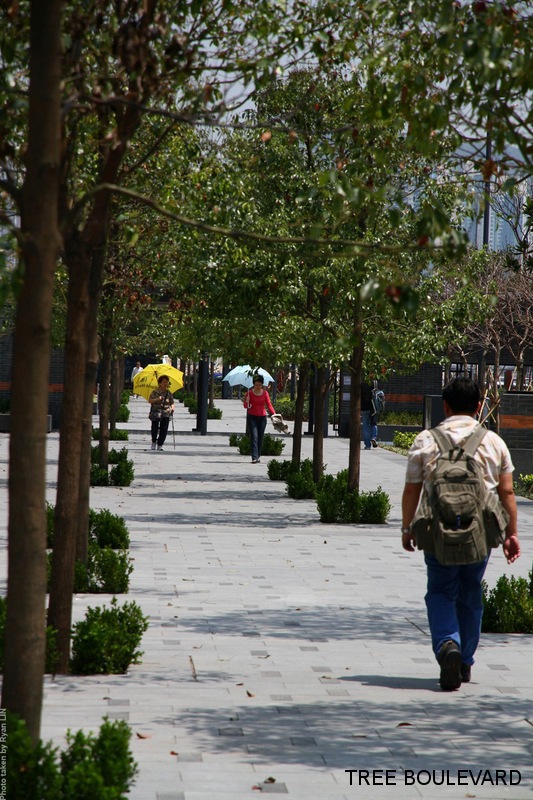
442	439
474	440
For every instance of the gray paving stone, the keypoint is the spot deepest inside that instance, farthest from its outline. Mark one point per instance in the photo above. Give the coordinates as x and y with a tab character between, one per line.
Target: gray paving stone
257	592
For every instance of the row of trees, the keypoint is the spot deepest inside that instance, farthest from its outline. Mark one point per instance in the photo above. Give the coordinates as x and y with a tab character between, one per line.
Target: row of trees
306	228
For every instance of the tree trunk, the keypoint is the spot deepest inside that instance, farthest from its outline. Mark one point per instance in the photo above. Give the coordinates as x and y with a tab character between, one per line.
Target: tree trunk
84	255
105	378
24	637
496	397
318	435
115	393
447	365
520	360
356	367
121	380
303	377
68	481
91	368
212	384
482	377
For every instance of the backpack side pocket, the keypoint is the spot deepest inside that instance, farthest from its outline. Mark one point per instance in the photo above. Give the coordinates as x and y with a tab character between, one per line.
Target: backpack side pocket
421	526
495	520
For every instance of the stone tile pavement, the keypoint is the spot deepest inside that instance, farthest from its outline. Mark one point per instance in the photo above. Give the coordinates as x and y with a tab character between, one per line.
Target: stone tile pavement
284	656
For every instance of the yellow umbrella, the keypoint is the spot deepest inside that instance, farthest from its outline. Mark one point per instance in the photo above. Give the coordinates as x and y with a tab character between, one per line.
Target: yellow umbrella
145	381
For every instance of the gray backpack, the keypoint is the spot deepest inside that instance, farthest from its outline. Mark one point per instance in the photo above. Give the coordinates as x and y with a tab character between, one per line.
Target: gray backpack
459	520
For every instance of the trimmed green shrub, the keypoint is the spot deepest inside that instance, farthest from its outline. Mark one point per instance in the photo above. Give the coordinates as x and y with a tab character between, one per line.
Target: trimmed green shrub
336	504
279	470
31	770
508	607
214	413
272	445
108	529
284	405
404	440
114	436
125	396
123	413
107	640
287	407
300	483
524	486
107	571
375	507
105	528
401	418
81	577
109	752
99	476
122	474
244	446
90	768
116	456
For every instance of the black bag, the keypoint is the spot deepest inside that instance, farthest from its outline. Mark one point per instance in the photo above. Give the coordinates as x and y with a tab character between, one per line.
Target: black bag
163	410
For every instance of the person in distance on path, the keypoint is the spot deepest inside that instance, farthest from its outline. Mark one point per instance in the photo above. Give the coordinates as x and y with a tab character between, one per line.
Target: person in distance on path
257	402
162	407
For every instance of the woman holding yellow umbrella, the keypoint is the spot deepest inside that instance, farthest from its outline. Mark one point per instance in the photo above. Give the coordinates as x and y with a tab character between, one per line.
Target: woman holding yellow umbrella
157	384
162	403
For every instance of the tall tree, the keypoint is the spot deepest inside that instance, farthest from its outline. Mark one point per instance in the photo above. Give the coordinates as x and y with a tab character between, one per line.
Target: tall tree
39	242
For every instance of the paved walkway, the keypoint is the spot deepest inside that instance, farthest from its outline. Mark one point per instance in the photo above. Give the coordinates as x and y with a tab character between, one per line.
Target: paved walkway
280	648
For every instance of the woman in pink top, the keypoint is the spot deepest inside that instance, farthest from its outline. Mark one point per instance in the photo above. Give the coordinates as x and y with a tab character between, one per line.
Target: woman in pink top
257	403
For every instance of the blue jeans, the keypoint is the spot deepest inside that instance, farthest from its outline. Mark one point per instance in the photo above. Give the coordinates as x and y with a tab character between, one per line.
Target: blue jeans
256	426
454	604
370	428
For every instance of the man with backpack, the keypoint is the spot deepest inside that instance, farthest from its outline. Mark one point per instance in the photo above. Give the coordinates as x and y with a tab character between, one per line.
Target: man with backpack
372	405
458	503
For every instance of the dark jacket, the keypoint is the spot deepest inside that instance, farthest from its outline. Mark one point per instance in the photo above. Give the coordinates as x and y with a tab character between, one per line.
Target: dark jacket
366	397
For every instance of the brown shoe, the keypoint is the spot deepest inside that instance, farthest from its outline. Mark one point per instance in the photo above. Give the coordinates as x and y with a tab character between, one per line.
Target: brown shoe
466	672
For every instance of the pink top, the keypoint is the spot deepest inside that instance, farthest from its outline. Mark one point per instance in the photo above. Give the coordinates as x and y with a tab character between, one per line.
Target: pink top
255	403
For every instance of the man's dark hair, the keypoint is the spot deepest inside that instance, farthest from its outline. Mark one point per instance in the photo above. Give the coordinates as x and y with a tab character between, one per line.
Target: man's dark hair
258	378
462	395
